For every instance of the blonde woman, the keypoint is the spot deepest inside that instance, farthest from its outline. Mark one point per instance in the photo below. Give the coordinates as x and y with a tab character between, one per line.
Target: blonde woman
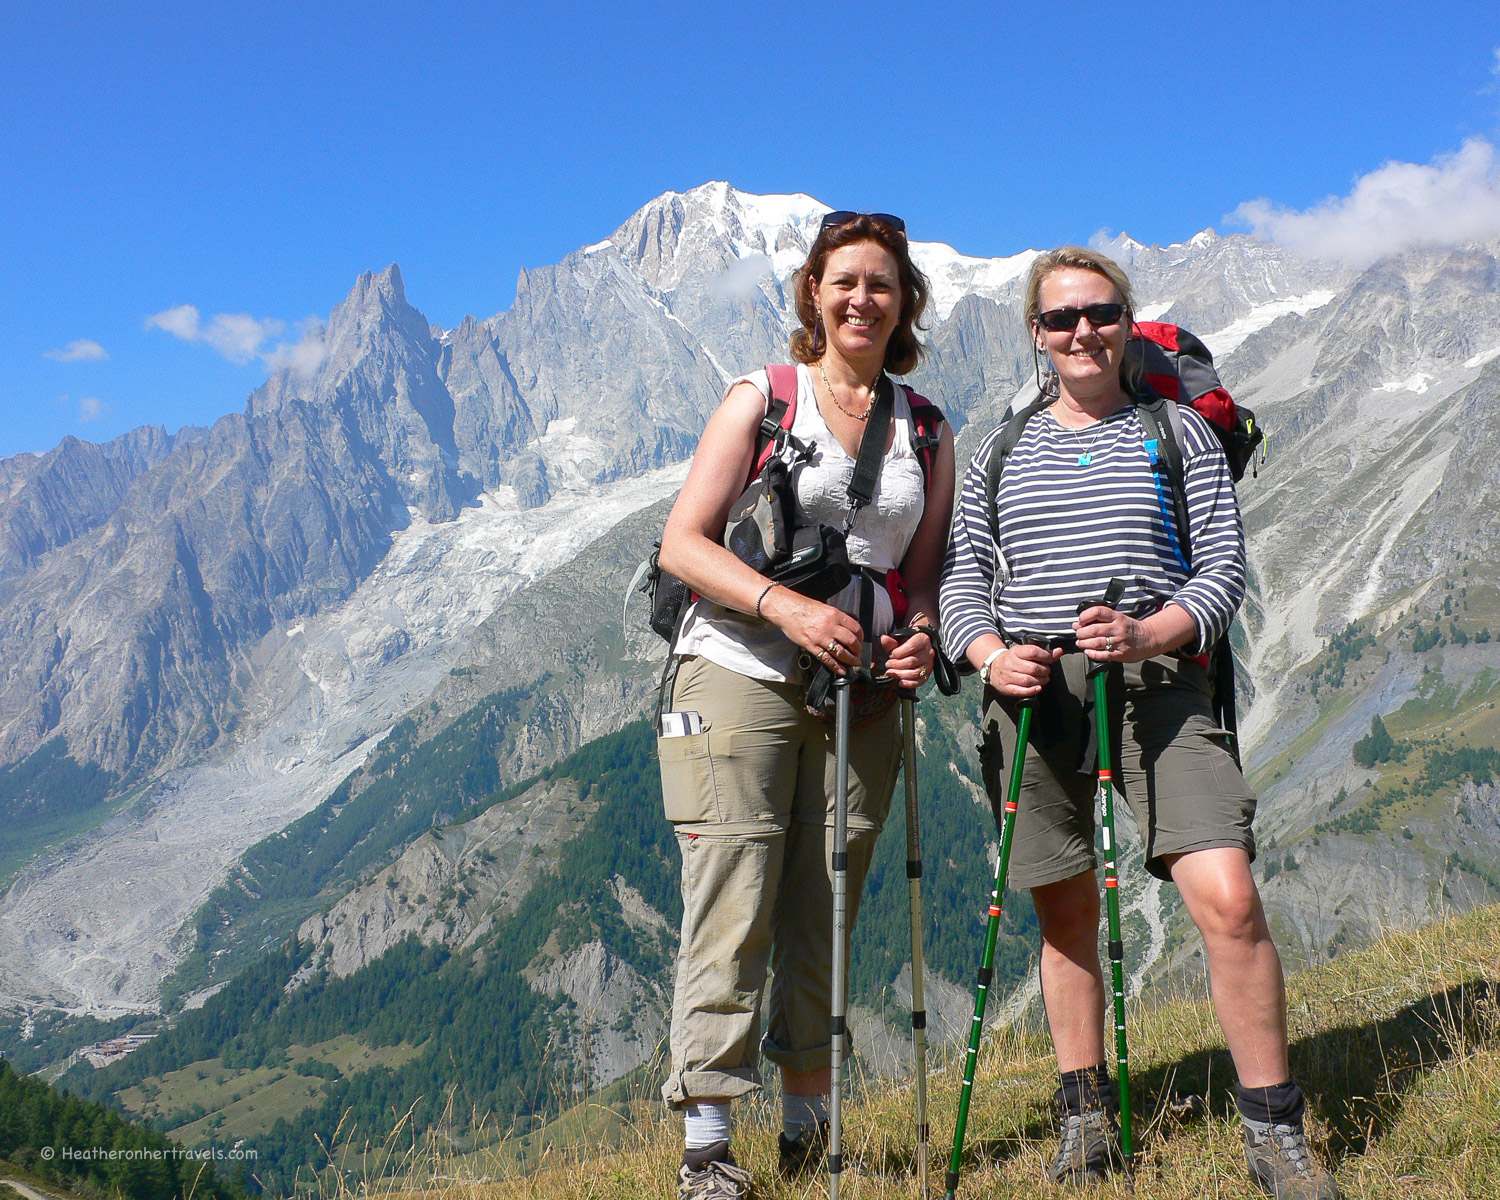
1077	506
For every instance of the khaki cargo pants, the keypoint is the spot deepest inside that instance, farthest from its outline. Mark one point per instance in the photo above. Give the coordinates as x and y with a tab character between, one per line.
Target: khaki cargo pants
751	799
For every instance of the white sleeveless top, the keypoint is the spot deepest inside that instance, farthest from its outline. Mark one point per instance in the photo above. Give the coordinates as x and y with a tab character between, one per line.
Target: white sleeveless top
882	532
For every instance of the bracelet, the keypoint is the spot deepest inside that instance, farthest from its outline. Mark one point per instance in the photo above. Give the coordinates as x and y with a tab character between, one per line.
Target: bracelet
761	597
984	668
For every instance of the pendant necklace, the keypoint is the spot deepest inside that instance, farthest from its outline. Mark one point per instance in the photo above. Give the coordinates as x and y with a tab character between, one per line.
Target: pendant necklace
858	416
1086	455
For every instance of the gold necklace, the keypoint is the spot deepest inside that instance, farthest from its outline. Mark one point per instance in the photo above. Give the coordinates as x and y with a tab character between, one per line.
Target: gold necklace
858	416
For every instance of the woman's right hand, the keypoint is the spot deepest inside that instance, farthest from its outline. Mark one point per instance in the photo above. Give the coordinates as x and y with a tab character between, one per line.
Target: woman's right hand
1022	670
831	636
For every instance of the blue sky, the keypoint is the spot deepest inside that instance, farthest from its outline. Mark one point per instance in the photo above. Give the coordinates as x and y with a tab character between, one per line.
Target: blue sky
252	161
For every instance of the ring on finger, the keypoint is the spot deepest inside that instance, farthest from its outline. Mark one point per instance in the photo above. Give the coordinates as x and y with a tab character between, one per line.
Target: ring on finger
833	647
1109	643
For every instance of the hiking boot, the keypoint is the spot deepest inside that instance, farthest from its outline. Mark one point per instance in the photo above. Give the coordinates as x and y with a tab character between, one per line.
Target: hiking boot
711	1174
1090	1147
1282	1165
805	1152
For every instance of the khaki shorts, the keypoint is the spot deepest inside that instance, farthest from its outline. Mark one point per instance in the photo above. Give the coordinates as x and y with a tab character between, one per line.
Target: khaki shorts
751	799
1172	762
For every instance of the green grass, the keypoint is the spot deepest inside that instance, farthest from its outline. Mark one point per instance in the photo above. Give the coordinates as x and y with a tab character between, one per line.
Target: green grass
249	1101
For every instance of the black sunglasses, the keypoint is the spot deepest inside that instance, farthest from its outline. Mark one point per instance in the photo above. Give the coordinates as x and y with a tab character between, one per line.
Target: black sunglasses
1057	320
834	219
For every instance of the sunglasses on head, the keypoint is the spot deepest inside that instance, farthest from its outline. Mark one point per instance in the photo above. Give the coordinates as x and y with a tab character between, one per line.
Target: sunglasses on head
1058	320
834	219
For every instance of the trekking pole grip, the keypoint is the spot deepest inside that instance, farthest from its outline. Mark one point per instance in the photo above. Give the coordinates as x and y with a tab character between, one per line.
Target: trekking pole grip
1113	594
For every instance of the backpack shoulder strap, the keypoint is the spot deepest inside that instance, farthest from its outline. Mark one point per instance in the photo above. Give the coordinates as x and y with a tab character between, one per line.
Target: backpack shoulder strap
1010	434
862	483
927	431
1162	422
781	411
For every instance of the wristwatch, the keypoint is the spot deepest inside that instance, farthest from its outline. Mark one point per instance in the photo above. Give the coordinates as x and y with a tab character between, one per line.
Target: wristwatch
989	661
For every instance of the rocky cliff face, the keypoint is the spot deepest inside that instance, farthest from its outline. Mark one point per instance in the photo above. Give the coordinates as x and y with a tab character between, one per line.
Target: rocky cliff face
138	579
379	380
127	639
48	500
452	883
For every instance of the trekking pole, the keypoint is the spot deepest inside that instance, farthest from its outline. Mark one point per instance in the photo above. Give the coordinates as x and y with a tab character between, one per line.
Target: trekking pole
1098	671
914	894
991	934
839	1001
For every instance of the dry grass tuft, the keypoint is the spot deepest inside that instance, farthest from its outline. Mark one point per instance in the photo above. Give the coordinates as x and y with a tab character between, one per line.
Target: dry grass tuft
1397	1046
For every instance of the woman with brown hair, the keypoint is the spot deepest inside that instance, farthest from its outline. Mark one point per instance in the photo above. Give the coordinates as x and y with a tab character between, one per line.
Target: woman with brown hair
747	777
1077	506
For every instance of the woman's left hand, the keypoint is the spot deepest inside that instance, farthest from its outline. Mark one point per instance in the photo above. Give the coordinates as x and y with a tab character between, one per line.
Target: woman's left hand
909	662
1109	636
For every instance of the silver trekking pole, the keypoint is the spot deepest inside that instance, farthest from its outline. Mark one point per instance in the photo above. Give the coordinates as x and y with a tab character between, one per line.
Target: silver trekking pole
840	923
914	894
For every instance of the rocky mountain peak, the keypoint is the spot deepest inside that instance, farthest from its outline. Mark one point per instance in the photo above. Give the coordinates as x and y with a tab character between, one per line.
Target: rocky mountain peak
1122	248
46	501
374	310
376	289
666	241
380	376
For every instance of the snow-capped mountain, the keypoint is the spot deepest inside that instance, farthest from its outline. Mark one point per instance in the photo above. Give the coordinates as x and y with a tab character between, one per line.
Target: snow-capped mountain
226	620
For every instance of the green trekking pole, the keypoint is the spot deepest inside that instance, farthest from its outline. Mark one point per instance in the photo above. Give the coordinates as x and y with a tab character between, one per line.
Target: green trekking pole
914	895
1099	672
991	934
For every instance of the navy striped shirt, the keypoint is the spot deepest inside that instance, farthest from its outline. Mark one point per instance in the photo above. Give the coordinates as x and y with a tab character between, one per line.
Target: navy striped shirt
1078	508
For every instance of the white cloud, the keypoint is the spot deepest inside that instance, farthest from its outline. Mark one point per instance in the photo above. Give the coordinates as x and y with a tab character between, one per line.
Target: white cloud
740	279
237	336
82	350
1455	199
302	357
180	322
91	408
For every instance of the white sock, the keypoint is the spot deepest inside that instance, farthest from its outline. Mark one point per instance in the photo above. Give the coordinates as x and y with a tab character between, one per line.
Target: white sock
704	1124
802	1112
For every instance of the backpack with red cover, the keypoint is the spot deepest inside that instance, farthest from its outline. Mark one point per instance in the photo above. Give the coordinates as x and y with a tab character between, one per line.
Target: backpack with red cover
1176	365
